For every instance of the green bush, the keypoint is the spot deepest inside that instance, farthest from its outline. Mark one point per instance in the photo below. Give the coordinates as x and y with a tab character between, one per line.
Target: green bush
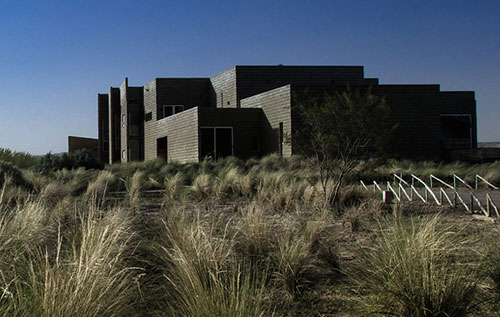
17	179
18	159
80	158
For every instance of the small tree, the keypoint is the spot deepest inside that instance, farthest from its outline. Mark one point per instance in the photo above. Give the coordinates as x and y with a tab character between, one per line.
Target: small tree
339	130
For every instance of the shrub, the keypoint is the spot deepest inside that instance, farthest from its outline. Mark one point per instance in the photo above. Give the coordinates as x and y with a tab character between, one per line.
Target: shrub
55	192
17	178
80	158
18	159
412	271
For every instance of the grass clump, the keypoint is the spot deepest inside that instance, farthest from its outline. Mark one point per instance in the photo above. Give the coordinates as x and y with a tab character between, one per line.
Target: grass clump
203	275
85	276
413	271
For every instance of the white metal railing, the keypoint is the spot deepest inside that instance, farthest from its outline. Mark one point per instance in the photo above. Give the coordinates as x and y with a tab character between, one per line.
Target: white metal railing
427	189
439	180
485	181
474	206
455	178
389	187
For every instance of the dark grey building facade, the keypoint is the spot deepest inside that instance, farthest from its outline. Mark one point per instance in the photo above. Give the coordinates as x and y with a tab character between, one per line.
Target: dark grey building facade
248	111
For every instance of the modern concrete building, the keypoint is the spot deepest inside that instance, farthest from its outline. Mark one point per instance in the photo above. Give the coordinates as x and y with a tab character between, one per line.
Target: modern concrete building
248	111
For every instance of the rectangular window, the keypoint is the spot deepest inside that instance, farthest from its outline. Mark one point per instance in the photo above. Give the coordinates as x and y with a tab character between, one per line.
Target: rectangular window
148	116
169	110
178	109
216	142
456	131
124	120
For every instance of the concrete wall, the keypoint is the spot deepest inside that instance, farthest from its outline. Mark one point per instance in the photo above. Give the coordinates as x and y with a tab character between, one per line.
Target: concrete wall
123	122
189	92
181	131
417	135
223	90
114	126
246	124
79	143
131	135
103	127
276	107
416	108
460	102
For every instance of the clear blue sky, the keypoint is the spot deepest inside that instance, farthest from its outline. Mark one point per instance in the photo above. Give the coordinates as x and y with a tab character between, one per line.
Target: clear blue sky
55	56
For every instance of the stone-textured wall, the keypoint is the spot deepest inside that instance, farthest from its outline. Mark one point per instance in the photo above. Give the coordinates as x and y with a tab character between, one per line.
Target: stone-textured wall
416	109
276	107
114	125
78	143
252	80
123	125
460	102
181	131
223	90
189	92
246	124
103	127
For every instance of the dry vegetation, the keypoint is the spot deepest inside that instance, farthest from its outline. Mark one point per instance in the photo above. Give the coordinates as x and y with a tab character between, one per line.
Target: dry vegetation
236	238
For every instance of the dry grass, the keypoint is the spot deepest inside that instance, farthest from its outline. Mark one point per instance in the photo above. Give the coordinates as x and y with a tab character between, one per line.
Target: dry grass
412	270
233	238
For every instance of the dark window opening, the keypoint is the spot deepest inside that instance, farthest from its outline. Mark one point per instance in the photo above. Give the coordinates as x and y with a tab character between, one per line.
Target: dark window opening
207	143
216	142
169	110
148	116
223	142
135	119
456	131
162	148
134	150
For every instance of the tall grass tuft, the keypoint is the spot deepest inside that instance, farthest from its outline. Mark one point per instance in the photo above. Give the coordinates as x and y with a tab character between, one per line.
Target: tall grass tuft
202	186
54	192
174	186
88	277
97	189
255	234
134	190
204	278
492	259
412	271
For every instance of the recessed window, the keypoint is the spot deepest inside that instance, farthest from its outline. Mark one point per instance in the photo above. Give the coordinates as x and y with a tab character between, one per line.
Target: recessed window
148	116
124	154
216	142
169	110
124	119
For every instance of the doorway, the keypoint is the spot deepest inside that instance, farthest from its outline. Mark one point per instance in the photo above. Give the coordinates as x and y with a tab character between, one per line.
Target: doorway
216	142
162	148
